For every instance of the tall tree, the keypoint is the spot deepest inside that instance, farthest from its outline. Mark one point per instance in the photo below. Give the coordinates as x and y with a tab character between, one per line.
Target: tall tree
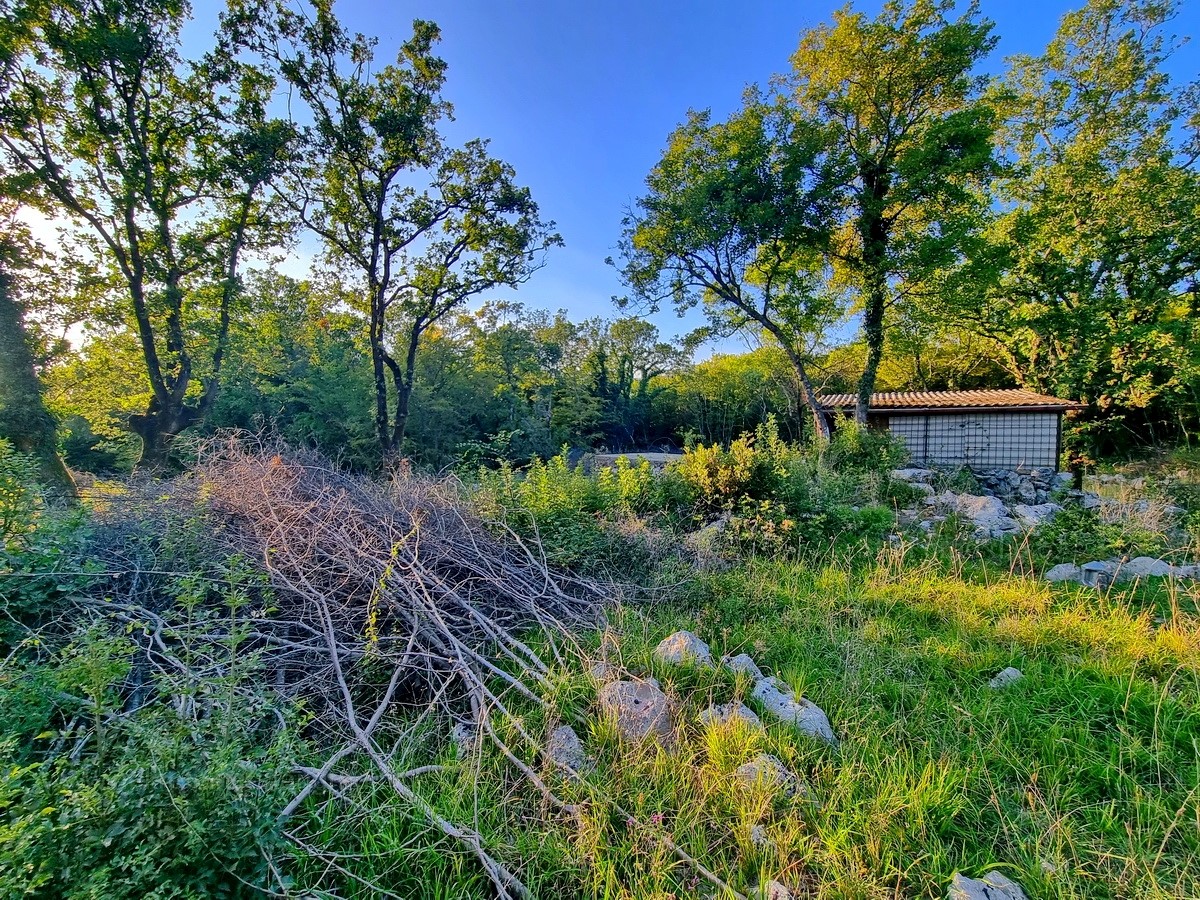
909	142
733	219
160	161
1090	287
423	227
24	419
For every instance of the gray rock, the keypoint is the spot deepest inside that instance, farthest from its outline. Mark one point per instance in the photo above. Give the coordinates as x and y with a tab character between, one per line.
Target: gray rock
1090	501
760	840
1146	567
989	515
1192	572
772	890
1031	516
993	886
602	671
641	710
464	736
1064	572
779	701
919	476
565	749
1006	677
727	712
927	489
742	664
683	647
769	771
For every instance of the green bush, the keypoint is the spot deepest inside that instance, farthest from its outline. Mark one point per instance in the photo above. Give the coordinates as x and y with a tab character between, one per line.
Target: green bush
1078	535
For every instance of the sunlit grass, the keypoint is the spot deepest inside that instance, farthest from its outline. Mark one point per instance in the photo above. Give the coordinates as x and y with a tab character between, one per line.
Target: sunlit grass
1081	780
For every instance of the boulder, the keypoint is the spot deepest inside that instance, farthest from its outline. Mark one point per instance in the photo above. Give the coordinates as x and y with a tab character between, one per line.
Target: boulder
1147	567
641	711
742	664
992	886
989	515
565	749
1006	677
727	712
769	771
683	647
914	475
1064	572
779	701
1032	515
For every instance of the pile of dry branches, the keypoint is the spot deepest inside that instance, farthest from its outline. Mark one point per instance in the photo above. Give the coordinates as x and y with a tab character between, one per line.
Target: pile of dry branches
387	603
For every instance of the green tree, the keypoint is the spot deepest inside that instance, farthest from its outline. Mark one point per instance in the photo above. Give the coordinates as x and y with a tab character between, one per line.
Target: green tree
909	142
733	219
24	419
160	161
299	367
1089	289
420	226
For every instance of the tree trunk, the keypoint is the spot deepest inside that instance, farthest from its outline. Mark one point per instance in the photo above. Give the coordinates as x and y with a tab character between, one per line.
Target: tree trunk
158	429
24	419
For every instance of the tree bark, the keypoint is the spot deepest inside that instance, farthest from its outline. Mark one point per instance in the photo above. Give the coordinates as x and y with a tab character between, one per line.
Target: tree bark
24	419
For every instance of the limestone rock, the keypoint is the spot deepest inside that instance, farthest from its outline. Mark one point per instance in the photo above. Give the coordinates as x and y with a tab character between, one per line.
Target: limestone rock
781	703
744	665
914	475
988	514
683	647
602	671
1064	572
727	712
1006	677
565	749
993	886
772	890
641	710
760	840
770	771
1031	516
1147	567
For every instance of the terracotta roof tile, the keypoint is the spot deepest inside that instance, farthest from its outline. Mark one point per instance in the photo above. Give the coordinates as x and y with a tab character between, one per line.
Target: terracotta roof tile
952	400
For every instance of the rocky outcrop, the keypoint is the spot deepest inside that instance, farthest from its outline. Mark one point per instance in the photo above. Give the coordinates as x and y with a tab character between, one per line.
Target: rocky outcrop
988	515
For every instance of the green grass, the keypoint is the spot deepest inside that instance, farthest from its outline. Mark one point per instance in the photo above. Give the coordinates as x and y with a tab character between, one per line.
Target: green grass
1081	781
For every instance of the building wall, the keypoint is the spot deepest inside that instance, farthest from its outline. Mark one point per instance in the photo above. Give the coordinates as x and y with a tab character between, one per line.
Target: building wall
982	441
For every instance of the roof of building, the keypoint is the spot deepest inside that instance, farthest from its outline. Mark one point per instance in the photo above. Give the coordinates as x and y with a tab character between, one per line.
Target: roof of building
953	401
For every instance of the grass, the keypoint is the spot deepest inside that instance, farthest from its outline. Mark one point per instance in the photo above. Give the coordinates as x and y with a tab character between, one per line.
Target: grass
1080	781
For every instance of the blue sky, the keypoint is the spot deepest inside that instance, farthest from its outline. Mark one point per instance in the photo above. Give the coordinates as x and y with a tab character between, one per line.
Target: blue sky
580	97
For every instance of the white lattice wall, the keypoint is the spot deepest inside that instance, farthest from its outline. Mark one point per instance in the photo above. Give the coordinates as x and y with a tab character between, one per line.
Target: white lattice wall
982	441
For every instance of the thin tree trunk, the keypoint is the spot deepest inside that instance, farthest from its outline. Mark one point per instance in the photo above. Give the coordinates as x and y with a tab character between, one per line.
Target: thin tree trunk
24	419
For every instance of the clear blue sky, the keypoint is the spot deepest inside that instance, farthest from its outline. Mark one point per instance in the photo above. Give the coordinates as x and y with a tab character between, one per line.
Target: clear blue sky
580	96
